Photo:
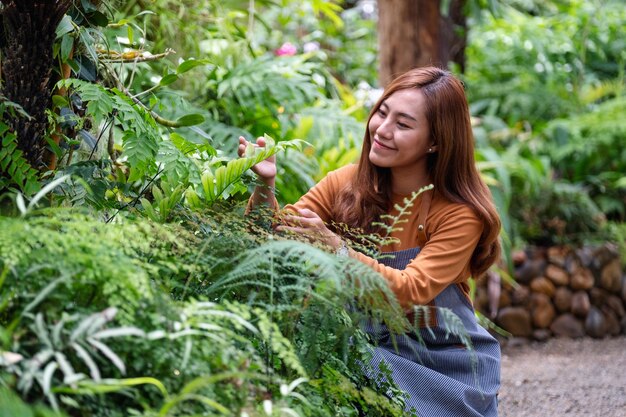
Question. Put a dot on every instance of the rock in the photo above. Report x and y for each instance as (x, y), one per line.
(595, 324)
(557, 275)
(603, 255)
(530, 269)
(557, 254)
(520, 295)
(563, 299)
(585, 255)
(515, 320)
(572, 263)
(611, 276)
(615, 304)
(598, 296)
(542, 310)
(542, 285)
(580, 304)
(613, 326)
(582, 279)
(566, 325)
(505, 299)
(541, 335)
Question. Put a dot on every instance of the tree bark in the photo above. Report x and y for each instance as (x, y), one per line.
(414, 33)
(28, 28)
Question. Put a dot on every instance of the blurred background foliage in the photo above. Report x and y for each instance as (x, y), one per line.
(129, 283)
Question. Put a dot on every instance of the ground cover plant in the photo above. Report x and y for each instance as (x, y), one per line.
(131, 283)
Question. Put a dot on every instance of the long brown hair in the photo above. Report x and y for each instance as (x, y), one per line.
(452, 168)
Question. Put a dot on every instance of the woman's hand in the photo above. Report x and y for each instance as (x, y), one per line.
(308, 223)
(266, 170)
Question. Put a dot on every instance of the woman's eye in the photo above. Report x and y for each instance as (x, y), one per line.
(403, 126)
(381, 113)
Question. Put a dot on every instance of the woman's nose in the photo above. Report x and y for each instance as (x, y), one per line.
(384, 130)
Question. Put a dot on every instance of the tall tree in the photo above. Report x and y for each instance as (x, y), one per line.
(415, 33)
(28, 33)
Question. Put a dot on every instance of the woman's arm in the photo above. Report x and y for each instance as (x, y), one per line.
(263, 193)
(443, 260)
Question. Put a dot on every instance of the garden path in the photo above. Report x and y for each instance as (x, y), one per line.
(564, 377)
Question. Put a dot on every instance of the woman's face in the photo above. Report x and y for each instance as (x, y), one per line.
(400, 133)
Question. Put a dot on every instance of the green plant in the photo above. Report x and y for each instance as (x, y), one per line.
(585, 149)
(277, 301)
(535, 67)
(14, 168)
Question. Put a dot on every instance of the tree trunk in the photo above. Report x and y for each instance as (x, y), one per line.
(28, 28)
(414, 33)
(454, 31)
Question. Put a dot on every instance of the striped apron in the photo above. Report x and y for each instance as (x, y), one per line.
(441, 376)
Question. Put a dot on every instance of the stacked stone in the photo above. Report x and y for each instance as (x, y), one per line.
(560, 291)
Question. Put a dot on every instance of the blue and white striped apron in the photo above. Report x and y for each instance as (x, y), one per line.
(441, 376)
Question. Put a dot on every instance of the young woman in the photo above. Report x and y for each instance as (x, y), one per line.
(418, 134)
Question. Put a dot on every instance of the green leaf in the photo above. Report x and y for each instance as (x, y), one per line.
(88, 43)
(99, 19)
(191, 63)
(190, 120)
(58, 101)
(65, 26)
(88, 6)
(168, 79)
(130, 34)
(67, 43)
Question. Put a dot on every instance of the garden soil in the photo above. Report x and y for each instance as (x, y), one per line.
(564, 377)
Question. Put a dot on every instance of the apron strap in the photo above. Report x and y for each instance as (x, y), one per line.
(421, 219)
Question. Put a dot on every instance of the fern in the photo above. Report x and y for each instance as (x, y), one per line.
(165, 200)
(267, 82)
(15, 168)
(327, 126)
(140, 136)
(216, 184)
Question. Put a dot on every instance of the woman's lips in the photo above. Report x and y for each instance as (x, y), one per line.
(379, 145)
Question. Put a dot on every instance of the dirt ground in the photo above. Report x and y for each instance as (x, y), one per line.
(564, 377)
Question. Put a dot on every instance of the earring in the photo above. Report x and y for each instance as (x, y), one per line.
(430, 150)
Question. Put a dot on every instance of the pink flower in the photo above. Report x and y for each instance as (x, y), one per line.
(286, 49)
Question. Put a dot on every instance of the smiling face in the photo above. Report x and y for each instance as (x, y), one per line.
(400, 134)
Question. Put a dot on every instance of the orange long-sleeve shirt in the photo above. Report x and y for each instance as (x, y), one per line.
(452, 231)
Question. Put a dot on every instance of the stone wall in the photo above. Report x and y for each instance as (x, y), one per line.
(559, 291)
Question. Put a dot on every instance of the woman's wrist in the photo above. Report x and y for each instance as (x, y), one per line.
(342, 249)
(268, 182)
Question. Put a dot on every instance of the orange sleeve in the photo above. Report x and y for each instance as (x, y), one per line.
(443, 260)
(321, 198)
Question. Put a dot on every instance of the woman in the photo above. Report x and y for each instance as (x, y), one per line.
(418, 134)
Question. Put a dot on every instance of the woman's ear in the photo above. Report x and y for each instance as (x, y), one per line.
(432, 148)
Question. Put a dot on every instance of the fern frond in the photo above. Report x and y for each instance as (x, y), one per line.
(141, 135)
(215, 184)
(266, 81)
(14, 168)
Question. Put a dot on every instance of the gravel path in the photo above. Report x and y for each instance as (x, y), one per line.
(564, 377)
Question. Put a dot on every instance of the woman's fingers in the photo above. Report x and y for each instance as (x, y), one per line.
(241, 149)
(293, 229)
(309, 214)
(308, 222)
